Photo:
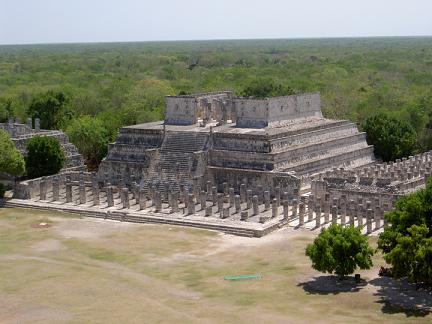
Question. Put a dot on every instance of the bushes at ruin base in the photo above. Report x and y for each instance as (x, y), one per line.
(44, 157)
(11, 160)
(340, 250)
(407, 241)
(392, 138)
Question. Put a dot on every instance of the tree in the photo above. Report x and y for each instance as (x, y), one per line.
(265, 88)
(91, 138)
(44, 156)
(340, 250)
(407, 241)
(11, 160)
(146, 101)
(49, 107)
(392, 138)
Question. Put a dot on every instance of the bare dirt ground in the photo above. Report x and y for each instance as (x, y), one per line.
(83, 270)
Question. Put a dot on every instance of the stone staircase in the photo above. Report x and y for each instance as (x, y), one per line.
(177, 162)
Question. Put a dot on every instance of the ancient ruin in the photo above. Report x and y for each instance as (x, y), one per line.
(241, 166)
(20, 133)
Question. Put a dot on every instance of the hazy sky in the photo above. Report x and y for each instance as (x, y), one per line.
(53, 21)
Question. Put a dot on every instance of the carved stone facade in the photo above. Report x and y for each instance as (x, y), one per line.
(215, 137)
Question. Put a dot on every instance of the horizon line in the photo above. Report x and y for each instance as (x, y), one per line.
(212, 40)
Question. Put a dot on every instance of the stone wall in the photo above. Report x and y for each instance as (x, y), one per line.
(260, 113)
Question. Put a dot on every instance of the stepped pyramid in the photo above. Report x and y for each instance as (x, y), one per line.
(215, 137)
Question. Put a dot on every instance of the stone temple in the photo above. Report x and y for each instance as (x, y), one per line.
(216, 137)
(237, 165)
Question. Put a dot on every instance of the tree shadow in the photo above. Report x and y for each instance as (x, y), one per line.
(326, 285)
(400, 296)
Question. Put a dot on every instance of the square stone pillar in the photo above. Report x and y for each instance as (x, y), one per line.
(82, 192)
(255, 205)
(109, 195)
(43, 189)
(95, 191)
(142, 199)
(243, 193)
(125, 198)
(310, 207)
(231, 197)
(301, 213)
(203, 200)
(275, 208)
(55, 188)
(68, 188)
(334, 214)
(237, 203)
(294, 209)
(244, 215)
(266, 200)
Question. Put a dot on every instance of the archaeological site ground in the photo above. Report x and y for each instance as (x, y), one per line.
(74, 270)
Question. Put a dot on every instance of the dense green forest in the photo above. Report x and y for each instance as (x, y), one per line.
(125, 83)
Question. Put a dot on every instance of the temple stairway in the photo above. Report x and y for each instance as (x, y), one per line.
(178, 161)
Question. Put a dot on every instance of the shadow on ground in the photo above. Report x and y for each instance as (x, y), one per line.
(399, 296)
(326, 285)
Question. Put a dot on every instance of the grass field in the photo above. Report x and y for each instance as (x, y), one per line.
(94, 271)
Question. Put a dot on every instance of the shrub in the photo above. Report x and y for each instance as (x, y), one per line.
(340, 250)
(44, 157)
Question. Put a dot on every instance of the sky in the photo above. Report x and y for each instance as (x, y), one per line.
(69, 21)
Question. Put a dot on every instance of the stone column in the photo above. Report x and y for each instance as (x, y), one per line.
(55, 188)
(266, 200)
(369, 213)
(220, 203)
(191, 204)
(294, 209)
(275, 207)
(157, 201)
(226, 213)
(82, 192)
(110, 196)
(318, 215)
(260, 194)
(249, 199)
(125, 198)
(237, 204)
(244, 215)
(43, 188)
(310, 207)
(95, 192)
(385, 208)
(285, 210)
(377, 217)
(255, 205)
(174, 203)
(334, 214)
(301, 213)
(142, 199)
(359, 212)
(243, 193)
(214, 196)
(326, 208)
(209, 187)
(231, 197)
(352, 213)
(208, 211)
(37, 124)
(343, 210)
(277, 194)
(225, 187)
(203, 200)
(68, 192)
